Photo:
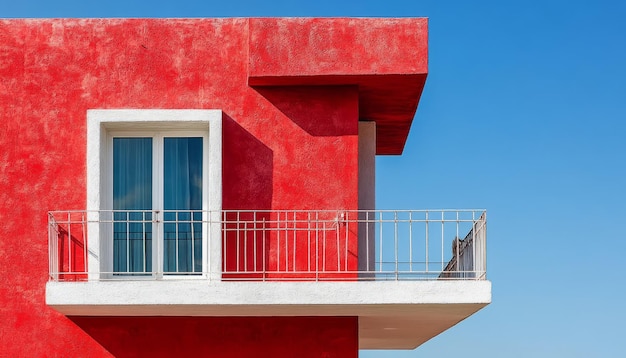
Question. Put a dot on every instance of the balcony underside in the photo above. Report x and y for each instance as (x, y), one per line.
(392, 314)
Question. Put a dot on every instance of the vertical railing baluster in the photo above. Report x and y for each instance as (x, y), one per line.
(324, 247)
(238, 237)
(484, 245)
(225, 231)
(158, 234)
(474, 228)
(254, 245)
(317, 249)
(457, 251)
(278, 241)
(367, 241)
(84, 231)
(264, 253)
(411, 242)
(245, 245)
(442, 238)
(395, 240)
(143, 240)
(52, 248)
(380, 226)
(69, 242)
(308, 246)
(427, 238)
(295, 231)
(338, 244)
(50, 273)
(176, 234)
(193, 239)
(127, 241)
(346, 227)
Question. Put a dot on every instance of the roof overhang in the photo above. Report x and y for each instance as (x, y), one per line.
(386, 58)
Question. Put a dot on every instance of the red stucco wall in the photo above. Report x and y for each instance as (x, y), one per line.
(283, 148)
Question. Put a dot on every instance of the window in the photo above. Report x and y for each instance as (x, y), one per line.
(157, 189)
(154, 181)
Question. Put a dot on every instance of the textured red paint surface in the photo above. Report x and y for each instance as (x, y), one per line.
(337, 46)
(284, 148)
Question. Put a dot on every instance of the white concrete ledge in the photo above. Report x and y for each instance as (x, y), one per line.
(392, 314)
(233, 293)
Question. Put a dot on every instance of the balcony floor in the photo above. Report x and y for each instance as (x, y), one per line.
(392, 314)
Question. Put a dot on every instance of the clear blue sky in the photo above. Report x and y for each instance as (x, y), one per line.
(524, 113)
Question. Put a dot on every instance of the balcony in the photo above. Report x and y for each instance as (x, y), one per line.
(407, 275)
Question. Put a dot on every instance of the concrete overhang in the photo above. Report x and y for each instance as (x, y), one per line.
(392, 314)
(386, 58)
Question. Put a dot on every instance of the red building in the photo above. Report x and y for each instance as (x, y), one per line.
(206, 186)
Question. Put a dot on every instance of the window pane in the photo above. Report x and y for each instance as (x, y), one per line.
(132, 202)
(182, 204)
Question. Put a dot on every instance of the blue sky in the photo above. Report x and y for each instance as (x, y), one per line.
(523, 113)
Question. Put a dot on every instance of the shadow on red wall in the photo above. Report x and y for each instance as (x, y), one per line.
(247, 171)
(224, 336)
(69, 237)
(319, 110)
(305, 249)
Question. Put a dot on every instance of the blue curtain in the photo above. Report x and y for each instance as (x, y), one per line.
(132, 193)
(182, 201)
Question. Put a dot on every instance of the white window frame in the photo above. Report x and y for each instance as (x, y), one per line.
(102, 124)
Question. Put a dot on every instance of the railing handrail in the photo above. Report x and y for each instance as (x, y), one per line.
(272, 210)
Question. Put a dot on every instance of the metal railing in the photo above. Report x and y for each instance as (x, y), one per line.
(272, 245)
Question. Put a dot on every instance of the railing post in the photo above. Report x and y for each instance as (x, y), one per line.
(442, 237)
(457, 249)
(474, 258)
(53, 239)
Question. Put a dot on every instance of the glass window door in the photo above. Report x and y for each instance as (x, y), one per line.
(157, 203)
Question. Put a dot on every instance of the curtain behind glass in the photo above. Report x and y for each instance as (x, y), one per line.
(132, 200)
(182, 201)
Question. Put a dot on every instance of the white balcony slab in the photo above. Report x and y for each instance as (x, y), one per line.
(392, 314)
